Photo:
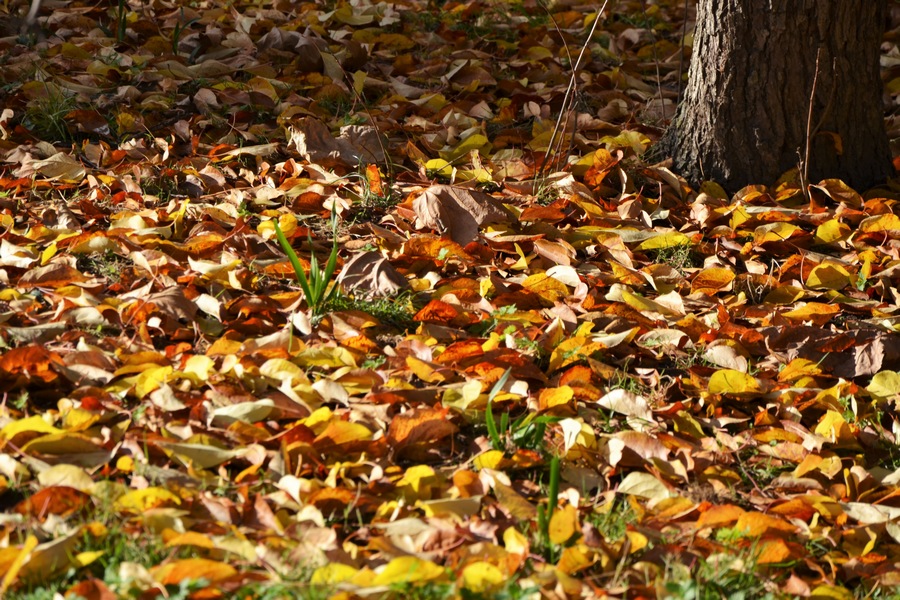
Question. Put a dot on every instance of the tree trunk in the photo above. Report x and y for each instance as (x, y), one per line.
(745, 116)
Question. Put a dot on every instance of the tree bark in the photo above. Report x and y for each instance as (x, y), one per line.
(744, 118)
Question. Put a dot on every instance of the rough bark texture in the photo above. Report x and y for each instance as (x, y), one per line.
(743, 119)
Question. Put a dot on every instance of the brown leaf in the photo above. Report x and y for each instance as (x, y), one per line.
(370, 274)
(456, 211)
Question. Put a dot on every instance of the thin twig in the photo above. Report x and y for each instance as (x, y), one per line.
(570, 89)
(804, 166)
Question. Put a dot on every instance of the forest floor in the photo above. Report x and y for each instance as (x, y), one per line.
(377, 300)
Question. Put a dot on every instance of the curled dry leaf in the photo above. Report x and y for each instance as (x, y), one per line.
(457, 211)
(370, 274)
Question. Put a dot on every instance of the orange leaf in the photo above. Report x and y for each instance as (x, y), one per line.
(373, 178)
(718, 516)
(189, 569)
(437, 312)
(423, 426)
(773, 551)
(55, 500)
(31, 363)
(91, 589)
(755, 524)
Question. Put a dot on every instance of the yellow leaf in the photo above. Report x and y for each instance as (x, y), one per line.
(728, 381)
(627, 139)
(482, 577)
(332, 573)
(340, 432)
(573, 350)
(80, 420)
(83, 559)
(880, 223)
(784, 294)
(450, 507)
(548, 288)
(645, 304)
(831, 592)
(488, 460)
(48, 253)
(833, 427)
(407, 569)
(828, 276)
(280, 369)
(564, 524)
(67, 475)
(515, 542)
(885, 384)
(517, 505)
(35, 424)
(46, 560)
(61, 444)
(550, 397)
(739, 216)
(198, 368)
(18, 558)
(150, 379)
(425, 371)
(198, 456)
(138, 501)
(439, 167)
(797, 368)
(326, 356)
(638, 541)
(644, 485)
(774, 232)
(245, 412)
(686, 424)
(574, 559)
(359, 81)
(417, 483)
(815, 312)
(191, 538)
(668, 239)
(832, 231)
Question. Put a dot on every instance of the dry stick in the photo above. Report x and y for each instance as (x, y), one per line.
(554, 146)
(804, 163)
(571, 87)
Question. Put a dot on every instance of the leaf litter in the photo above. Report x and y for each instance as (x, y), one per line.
(718, 374)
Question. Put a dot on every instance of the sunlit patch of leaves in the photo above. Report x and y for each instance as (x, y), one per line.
(547, 365)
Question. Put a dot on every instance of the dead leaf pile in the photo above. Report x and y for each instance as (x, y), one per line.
(717, 374)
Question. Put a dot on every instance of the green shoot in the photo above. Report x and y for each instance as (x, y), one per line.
(314, 285)
(493, 432)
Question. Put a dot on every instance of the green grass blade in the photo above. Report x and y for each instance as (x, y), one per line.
(295, 261)
(553, 492)
(491, 424)
(499, 385)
